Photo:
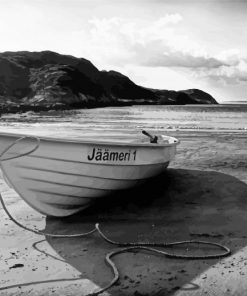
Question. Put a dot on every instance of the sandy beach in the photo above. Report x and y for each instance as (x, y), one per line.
(203, 195)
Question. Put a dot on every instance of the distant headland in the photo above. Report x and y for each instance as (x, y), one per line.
(47, 80)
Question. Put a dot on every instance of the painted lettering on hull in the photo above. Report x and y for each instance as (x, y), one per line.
(99, 154)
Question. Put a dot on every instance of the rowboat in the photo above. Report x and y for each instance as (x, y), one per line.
(61, 176)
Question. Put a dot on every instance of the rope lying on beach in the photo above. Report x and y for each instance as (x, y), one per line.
(128, 246)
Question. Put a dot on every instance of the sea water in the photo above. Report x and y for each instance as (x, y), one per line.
(102, 122)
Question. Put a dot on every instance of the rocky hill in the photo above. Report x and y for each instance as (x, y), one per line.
(48, 80)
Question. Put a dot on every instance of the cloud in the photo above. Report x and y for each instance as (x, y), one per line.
(146, 43)
(227, 74)
(160, 43)
(233, 69)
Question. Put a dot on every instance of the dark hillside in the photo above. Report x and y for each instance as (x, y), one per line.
(45, 80)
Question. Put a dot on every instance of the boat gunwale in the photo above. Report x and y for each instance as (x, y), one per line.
(87, 142)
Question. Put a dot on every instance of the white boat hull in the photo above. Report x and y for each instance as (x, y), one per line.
(63, 177)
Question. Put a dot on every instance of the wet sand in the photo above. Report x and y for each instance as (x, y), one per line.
(203, 195)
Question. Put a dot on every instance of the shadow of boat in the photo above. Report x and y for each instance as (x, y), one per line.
(177, 205)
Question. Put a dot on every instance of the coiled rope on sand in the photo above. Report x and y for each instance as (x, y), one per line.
(128, 246)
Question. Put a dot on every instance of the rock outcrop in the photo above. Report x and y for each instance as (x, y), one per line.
(48, 80)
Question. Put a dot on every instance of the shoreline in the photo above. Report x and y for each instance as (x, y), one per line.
(22, 108)
(16, 109)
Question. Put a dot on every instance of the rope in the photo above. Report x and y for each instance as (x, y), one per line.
(128, 246)
(40, 232)
(22, 154)
(168, 245)
(149, 247)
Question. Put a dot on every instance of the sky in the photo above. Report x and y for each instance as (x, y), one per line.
(165, 44)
